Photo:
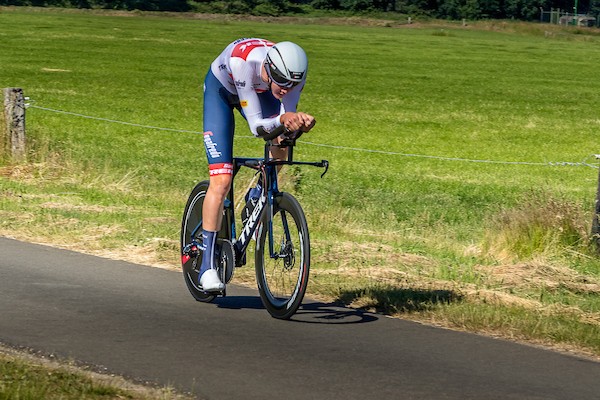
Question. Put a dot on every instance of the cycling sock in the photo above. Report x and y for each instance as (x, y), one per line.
(208, 251)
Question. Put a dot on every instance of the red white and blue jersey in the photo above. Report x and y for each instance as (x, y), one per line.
(238, 68)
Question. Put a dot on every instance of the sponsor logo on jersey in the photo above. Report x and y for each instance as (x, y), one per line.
(244, 103)
(211, 147)
(244, 47)
(240, 84)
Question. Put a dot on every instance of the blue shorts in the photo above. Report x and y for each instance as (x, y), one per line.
(219, 123)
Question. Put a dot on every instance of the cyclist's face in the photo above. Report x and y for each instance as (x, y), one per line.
(278, 91)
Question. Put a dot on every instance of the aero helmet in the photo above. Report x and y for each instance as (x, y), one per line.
(286, 64)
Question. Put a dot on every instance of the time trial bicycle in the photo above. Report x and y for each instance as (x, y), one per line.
(277, 222)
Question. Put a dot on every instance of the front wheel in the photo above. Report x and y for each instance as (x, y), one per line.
(282, 257)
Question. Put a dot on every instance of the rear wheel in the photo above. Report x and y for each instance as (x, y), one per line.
(191, 238)
(283, 257)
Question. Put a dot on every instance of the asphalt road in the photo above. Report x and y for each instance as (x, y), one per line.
(141, 323)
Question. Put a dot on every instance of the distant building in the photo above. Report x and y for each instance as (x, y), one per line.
(579, 20)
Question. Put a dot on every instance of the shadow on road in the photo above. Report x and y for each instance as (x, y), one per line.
(385, 300)
(312, 313)
(322, 313)
(239, 302)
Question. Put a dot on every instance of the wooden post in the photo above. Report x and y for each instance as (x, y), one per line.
(14, 117)
(596, 221)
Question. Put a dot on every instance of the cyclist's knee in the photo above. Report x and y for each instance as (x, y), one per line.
(220, 184)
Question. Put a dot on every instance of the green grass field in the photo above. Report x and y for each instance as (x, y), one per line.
(462, 181)
(25, 377)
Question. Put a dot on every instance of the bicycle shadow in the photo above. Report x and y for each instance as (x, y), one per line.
(375, 301)
(332, 314)
(309, 312)
(239, 302)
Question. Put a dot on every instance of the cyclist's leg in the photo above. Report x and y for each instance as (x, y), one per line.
(218, 143)
(278, 153)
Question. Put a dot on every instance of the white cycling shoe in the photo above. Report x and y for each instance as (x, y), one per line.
(210, 281)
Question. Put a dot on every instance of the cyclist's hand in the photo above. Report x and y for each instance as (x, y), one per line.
(297, 121)
(291, 121)
(308, 122)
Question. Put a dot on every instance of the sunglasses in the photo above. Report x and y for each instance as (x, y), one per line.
(277, 77)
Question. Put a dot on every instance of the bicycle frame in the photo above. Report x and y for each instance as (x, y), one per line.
(268, 168)
(283, 264)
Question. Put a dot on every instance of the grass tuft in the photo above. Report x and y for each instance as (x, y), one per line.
(26, 377)
(541, 225)
(19, 380)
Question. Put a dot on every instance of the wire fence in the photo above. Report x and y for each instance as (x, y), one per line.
(563, 17)
(583, 163)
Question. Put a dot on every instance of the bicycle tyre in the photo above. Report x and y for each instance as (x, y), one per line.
(282, 280)
(192, 217)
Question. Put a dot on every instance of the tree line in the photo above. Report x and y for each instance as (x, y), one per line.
(526, 10)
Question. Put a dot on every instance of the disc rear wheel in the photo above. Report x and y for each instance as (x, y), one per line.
(191, 235)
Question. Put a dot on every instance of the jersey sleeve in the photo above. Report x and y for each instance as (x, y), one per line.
(243, 75)
(253, 113)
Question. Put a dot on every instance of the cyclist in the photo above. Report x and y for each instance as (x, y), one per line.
(263, 81)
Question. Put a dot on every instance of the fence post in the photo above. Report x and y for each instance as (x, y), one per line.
(14, 118)
(596, 221)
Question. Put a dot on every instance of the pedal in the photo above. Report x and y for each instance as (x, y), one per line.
(190, 251)
(216, 293)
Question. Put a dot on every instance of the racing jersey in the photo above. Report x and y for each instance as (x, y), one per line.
(239, 68)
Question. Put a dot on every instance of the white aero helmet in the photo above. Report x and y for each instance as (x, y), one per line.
(286, 64)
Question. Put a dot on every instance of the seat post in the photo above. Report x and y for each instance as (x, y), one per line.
(290, 152)
(268, 145)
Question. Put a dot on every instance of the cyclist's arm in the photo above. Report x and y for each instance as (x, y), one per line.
(295, 120)
(290, 117)
(243, 75)
(253, 112)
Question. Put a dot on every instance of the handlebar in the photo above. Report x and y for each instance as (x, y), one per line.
(280, 130)
(289, 140)
(262, 133)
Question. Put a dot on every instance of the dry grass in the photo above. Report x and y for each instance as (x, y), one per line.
(538, 274)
